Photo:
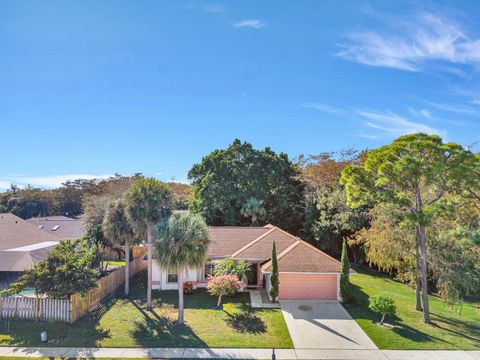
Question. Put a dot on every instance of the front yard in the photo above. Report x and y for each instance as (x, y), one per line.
(453, 328)
(126, 323)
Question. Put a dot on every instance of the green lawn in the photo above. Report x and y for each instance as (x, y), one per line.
(126, 323)
(453, 328)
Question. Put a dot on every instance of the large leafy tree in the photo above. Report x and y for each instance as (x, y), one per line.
(182, 243)
(69, 268)
(226, 179)
(415, 172)
(118, 229)
(148, 201)
(328, 219)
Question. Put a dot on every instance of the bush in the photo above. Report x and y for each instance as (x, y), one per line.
(383, 304)
(230, 266)
(345, 287)
(188, 288)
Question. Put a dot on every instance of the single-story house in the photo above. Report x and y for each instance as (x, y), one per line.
(305, 272)
(22, 245)
(62, 227)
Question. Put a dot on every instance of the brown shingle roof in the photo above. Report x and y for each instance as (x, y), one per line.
(226, 240)
(255, 244)
(262, 248)
(22, 244)
(16, 232)
(303, 257)
(68, 228)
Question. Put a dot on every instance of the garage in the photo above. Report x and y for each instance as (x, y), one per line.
(295, 286)
(305, 273)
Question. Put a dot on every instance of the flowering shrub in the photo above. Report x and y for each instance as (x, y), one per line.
(223, 285)
(188, 287)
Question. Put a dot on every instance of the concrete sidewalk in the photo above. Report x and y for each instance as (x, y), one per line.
(168, 353)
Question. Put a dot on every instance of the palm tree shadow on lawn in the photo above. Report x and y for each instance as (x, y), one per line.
(359, 310)
(161, 331)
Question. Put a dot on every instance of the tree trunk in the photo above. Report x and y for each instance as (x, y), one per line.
(149, 264)
(219, 301)
(127, 268)
(418, 281)
(180, 297)
(383, 318)
(423, 253)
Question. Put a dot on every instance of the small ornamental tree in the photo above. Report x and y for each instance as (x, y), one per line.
(345, 288)
(68, 268)
(274, 283)
(383, 304)
(223, 285)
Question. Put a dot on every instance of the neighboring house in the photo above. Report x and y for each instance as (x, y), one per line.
(304, 271)
(22, 245)
(62, 227)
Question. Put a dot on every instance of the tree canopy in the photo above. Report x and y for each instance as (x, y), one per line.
(226, 181)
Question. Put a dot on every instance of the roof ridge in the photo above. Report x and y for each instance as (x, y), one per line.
(283, 253)
(239, 251)
(318, 250)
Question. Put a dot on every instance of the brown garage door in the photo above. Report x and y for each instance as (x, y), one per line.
(308, 286)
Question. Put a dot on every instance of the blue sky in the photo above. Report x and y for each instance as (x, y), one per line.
(93, 88)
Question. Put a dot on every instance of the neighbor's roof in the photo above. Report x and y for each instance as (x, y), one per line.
(16, 232)
(22, 244)
(63, 227)
(255, 244)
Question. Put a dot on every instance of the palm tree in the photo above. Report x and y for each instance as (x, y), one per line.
(182, 243)
(117, 228)
(253, 209)
(148, 202)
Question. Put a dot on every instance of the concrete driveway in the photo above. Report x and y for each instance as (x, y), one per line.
(320, 324)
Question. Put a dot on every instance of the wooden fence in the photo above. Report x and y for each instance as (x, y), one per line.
(136, 251)
(45, 309)
(42, 309)
(80, 305)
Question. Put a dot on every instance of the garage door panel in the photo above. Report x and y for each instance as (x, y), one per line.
(308, 286)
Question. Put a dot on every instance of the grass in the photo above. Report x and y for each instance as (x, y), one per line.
(121, 322)
(453, 327)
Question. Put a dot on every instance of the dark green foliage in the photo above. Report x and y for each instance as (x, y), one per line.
(335, 220)
(69, 268)
(229, 266)
(345, 287)
(274, 282)
(227, 180)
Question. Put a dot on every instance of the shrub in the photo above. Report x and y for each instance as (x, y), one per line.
(223, 285)
(188, 287)
(383, 304)
(274, 283)
(345, 287)
(230, 266)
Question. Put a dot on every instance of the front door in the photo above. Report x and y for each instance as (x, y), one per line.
(253, 275)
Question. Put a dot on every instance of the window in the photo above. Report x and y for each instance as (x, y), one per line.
(209, 268)
(172, 278)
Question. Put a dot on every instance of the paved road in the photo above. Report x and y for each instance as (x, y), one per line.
(315, 324)
(162, 353)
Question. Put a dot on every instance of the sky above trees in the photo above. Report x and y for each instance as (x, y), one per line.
(94, 88)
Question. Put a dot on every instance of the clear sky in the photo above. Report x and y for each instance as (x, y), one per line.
(93, 88)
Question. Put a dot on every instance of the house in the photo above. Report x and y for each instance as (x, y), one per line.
(22, 245)
(63, 227)
(305, 272)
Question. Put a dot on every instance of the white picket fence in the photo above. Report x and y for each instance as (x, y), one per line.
(22, 308)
